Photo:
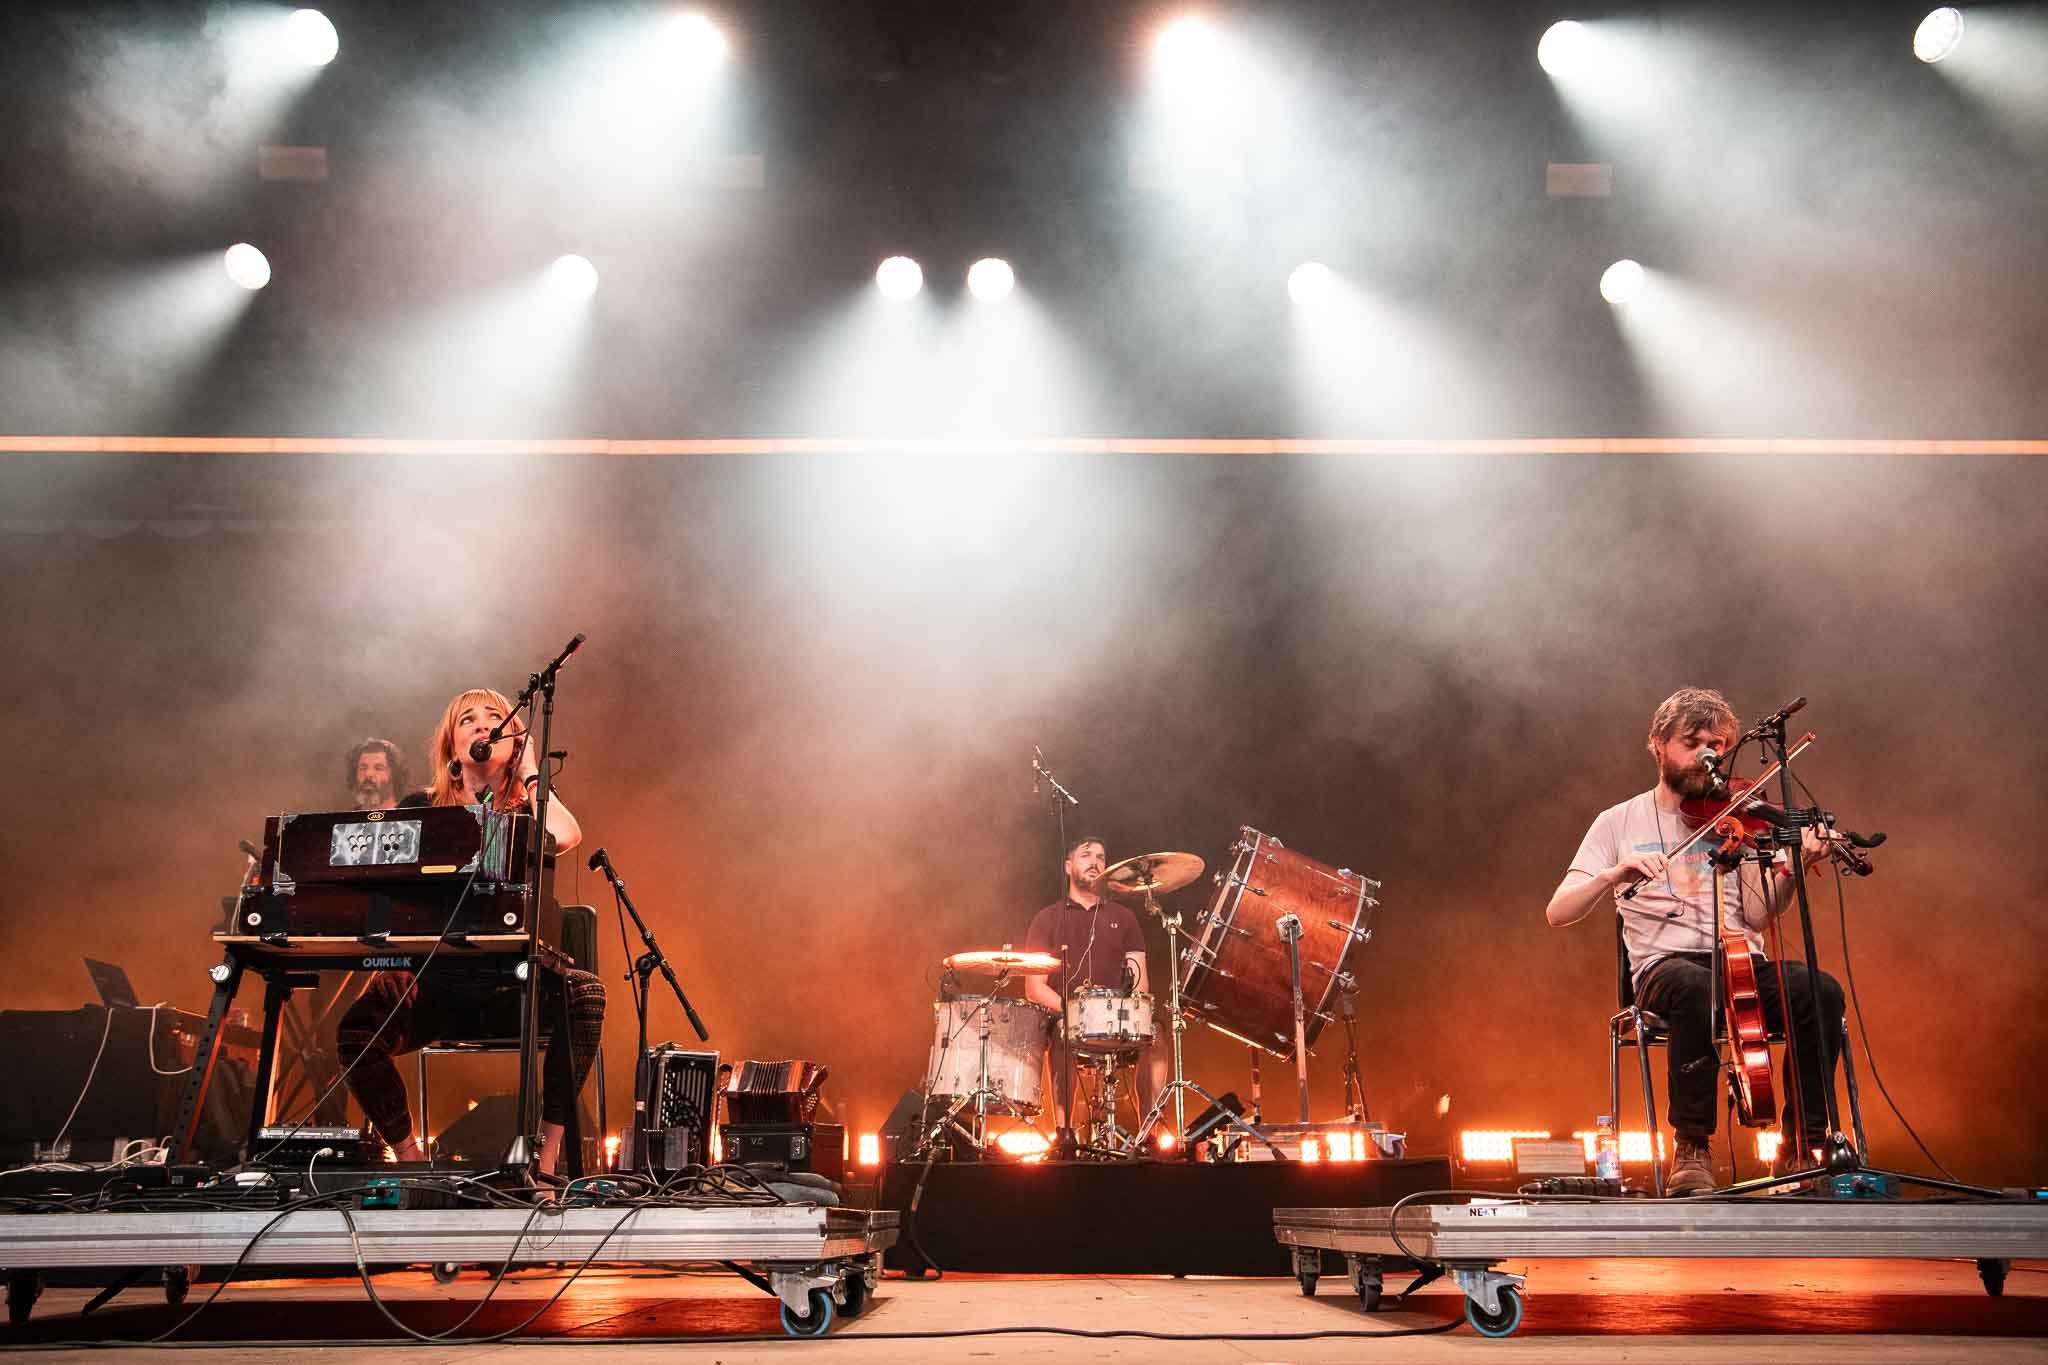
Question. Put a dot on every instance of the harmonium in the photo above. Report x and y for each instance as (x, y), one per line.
(412, 877)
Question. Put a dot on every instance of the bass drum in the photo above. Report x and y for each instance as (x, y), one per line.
(1017, 1035)
(1235, 971)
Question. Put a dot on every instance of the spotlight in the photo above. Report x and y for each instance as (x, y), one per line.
(1563, 49)
(991, 279)
(1621, 282)
(247, 266)
(693, 41)
(1187, 49)
(312, 37)
(1312, 284)
(1938, 34)
(899, 277)
(572, 277)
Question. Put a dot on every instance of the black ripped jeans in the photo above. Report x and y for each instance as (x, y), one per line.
(1679, 989)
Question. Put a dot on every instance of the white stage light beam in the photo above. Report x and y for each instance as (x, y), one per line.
(899, 277)
(312, 37)
(573, 277)
(1621, 282)
(1939, 34)
(247, 266)
(991, 279)
(1564, 49)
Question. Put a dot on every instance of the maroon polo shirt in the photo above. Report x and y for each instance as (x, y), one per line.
(1089, 943)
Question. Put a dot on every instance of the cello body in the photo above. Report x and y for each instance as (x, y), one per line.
(1742, 1006)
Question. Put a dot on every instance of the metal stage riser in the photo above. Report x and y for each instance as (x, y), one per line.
(801, 1233)
(1139, 1218)
(1760, 1227)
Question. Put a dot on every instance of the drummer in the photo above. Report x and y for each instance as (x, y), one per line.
(1099, 943)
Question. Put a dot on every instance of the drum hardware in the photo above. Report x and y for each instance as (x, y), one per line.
(1289, 929)
(1354, 1080)
(1176, 1017)
(1356, 935)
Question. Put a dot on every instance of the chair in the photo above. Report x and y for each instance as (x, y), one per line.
(1634, 1026)
(579, 942)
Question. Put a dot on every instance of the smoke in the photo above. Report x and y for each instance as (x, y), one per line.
(803, 723)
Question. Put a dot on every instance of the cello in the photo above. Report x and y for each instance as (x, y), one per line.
(1742, 1005)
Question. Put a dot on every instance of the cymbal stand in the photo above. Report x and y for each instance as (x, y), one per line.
(1180, 1082)
(978, 1097)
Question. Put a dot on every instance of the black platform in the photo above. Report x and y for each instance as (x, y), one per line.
(1142, 1218)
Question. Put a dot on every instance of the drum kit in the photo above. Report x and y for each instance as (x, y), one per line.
(1263, 964)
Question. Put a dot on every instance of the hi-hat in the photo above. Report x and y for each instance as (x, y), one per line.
(1152, 873)
(997, 961)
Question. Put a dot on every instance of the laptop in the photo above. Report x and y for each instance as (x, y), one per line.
(114, 987)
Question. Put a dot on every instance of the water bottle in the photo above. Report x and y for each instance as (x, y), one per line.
(1607, 1151)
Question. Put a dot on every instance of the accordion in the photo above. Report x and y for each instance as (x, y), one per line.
(774, 1092)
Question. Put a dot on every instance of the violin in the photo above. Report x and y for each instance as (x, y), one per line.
(1751, 818)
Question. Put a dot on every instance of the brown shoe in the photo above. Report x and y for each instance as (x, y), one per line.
(1692, 1167)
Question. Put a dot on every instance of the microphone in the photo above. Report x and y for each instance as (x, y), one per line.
(598, 859)
(480, 751)
(1711, 760)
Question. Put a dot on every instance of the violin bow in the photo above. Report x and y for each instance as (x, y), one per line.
(1628, 893)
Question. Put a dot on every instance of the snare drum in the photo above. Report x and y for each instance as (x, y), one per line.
(1017, 1034)
(1103, 1020)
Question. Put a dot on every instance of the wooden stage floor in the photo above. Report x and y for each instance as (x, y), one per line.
(1679, 1310)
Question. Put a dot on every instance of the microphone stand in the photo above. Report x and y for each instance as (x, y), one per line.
(1065, 1146)
(525, 1145)
(643, 972)
(1839, 1157)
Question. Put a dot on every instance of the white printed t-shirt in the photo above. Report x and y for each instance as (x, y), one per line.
(1673, 913)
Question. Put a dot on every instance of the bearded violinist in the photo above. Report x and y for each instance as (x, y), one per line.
(1668, 929)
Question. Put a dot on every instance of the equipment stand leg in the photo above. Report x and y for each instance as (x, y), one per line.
(205, 1054)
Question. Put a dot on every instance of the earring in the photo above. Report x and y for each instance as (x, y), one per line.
(455, 769)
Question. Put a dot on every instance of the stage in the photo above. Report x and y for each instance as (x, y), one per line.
(1869, 1312)
(1128, 1218)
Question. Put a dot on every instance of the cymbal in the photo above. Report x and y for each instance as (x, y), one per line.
(996, 961)
(1157, 873)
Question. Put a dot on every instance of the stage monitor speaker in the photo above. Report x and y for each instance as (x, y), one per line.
(900, 1130)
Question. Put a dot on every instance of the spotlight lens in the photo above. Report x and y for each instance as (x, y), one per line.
(1562, 51)
(899, 277)
(1312, 283)
(1938, 34)
(312, 37)
(991, 279)
(247, 266)
(573, 277)
(694, 41)
(1621, 282)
